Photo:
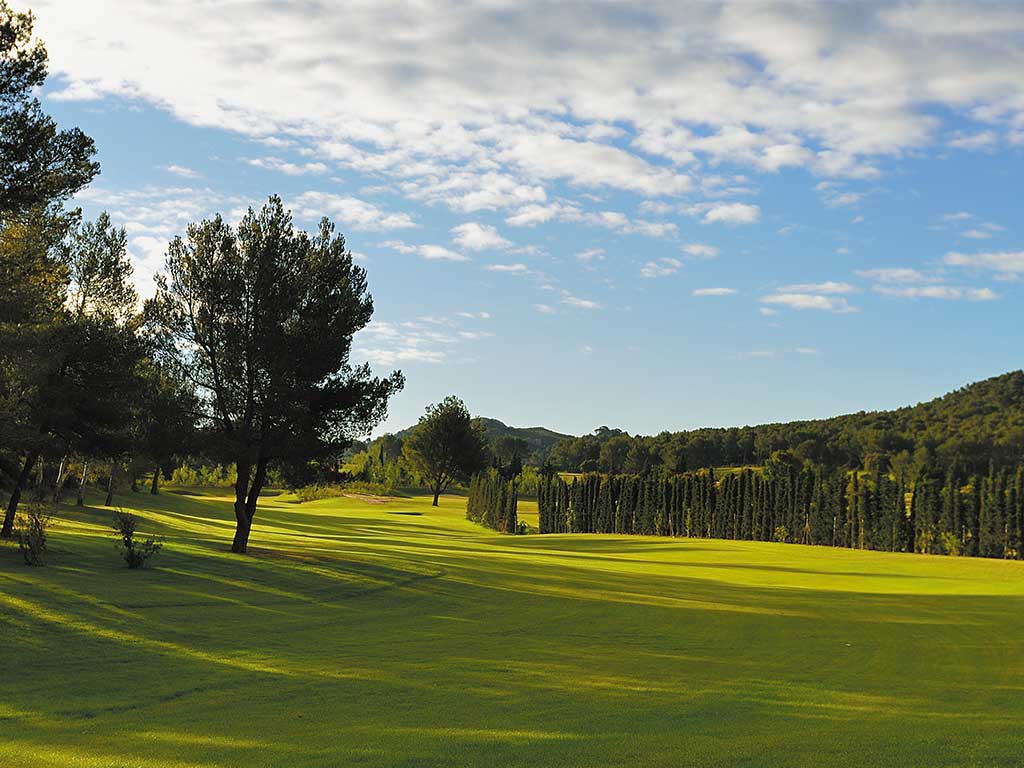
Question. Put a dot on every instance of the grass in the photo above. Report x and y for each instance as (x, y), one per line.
(395, 634)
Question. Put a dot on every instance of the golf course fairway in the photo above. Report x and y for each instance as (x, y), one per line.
(370, 632)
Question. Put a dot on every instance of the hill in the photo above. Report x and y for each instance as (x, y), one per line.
(971, 427)
(395, 634)
(540, 439)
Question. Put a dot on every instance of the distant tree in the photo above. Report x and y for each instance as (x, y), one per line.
(446, 446)
(261, 320)
(81, 402)
(509, 453)
(613, 454)
(165, 426)
(40, 165)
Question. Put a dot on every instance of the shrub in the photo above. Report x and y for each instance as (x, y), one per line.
(950, 543)
(134, 553)
(781, 534)
(32, 527)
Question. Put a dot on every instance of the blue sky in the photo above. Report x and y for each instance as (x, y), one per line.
(589, 214)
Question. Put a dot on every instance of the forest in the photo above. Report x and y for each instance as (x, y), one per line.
(976, 426)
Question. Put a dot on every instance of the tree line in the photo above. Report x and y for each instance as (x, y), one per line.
(956, 513)
(973, 427)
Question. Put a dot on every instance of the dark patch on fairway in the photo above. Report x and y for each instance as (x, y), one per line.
(410, 514)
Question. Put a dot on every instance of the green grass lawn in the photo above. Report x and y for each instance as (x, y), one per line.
(394, 634)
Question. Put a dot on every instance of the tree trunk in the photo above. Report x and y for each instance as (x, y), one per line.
(57, 490)
(12, 506)
(110, 487)
(242, 522)
(437, 492)
(81, 486)
(154, 487)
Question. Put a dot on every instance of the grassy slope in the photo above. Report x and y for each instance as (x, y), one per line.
(394, 634)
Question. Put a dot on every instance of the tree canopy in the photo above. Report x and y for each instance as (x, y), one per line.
(446, 446)
(40, 164)
(260, 320)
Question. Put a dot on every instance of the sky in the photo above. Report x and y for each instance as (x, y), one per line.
(585, 214)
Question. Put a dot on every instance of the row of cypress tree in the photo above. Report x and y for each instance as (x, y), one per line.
(957, 514)
(493, 502)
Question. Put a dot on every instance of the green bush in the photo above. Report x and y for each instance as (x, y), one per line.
(134, 553)
(31, 533)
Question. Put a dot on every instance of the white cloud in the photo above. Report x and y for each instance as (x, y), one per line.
(183, 171)
(574, 301)
(834, 194)
(973, 141)
(810, 301)
(661, 268)
(828, 287)
(714, 292)
(423, 340)
(733, 213)
(948, 292)
(476, 108)
(429, 252)
(1007, 263)
(479, 237)
(591, 254)
(545, 309)
(589, 164)
(700, 250)
(440, 253)
(348, 212)
(806, 351)
(285, 167)
(624, 102)
(515, 269)
(534, 214)
(894, 275)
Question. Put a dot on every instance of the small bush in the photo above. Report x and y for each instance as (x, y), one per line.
(31, 532)
(134, 553)
(781, 535)
(950, 543)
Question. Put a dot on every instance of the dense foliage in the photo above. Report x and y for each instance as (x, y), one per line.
(493, 502)
(40, 165)
(446, 446)
(956, 514)
(972, 427)
(259, 318)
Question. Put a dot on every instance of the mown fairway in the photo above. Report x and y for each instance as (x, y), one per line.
(399, 635)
